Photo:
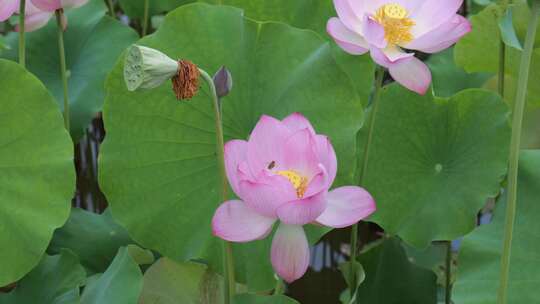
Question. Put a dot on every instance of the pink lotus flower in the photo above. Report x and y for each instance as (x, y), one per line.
(283, 173)
(38, 12)
(386, 27)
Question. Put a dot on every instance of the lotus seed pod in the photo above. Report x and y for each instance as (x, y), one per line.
(146, 68)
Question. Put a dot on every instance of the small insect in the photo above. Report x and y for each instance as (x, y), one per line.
(272, 165)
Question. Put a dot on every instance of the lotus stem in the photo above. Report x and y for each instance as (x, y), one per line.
(145, 17)
(517, 122)
(379, 77)
(22, 42)
(60, 25)
(228, 260)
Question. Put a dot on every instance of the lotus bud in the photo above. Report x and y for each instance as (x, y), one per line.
(223, 82)
(146, 68)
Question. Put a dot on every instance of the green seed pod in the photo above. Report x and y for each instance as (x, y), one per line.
(147, 68)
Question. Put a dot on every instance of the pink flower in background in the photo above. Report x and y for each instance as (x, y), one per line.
(53, 5)
(283, 173)
(386, 27)
(38, 12)
(8, 8)
(35, 18)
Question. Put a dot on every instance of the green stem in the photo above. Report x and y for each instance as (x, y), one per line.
(59, 16)
(502, 60)
(228, 261)
(145, 18)
(448, 289)
(379, 77)
(22, 39)
(517, 121)
(280, 287)
(110, 4)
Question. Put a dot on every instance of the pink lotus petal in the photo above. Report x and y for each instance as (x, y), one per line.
(442, 37)
(432, 14)
(346, 206)
(36, 21)
(300, 154)
(73, 3)
(348, 40)
(266, 143)
(296, 122)
(319, 183)
(235, 153)
(290, 252)
(327, 157)
(234, 221)
(412, 74)
(374, 33)
(389, 56)
(347, 15)
(29, 9)
(8, 8)
(48, 5)
(267, 193)
(302, 211)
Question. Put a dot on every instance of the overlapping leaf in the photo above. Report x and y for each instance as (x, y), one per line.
(313, 15)
(168, 282)
(480, 255)
(392, 279)
(120, 284)
(38, 178)
(135, 8)
(94, 238)
(448, 78)
(479, 51)
(434, 162)
(56, 280)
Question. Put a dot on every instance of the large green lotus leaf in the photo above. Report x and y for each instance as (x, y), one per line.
(93, 42)
(158, 164)
(259, 299)
(169, 282)
(392, 279)
(313, 15)
(56, 280)
(479, 50)
(434, 161)
(480, 254)
(449, 79)
(93, 237)
(135, 8)
(120, 284)
(38, 176)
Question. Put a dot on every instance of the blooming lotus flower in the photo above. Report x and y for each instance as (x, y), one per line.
(283, 173)
(386, 27)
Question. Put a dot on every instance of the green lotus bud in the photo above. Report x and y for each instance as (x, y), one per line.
(147, 68)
